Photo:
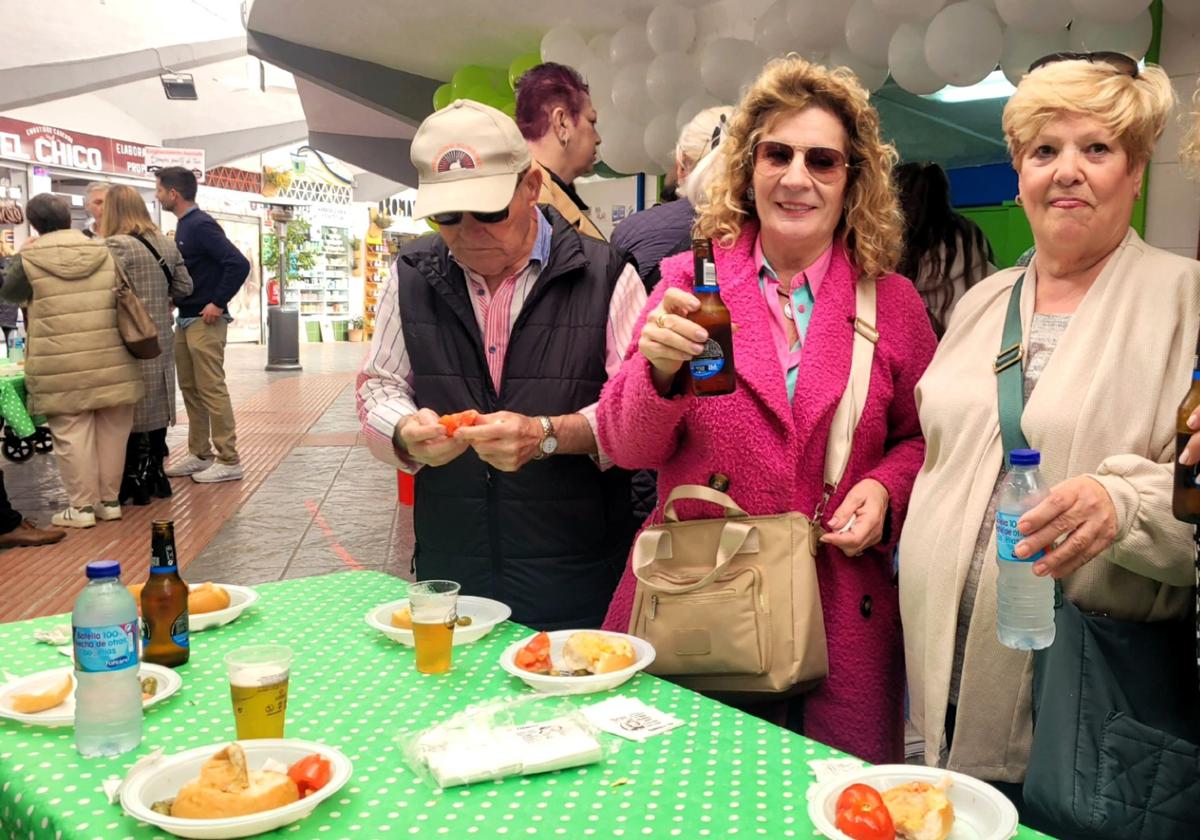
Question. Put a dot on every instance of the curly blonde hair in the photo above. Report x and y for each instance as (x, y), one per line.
(1135, 110)
(1189, 152)
(871, 226)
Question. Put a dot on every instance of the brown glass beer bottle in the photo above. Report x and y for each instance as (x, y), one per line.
(1185, 502)
(712, 371)
(164, 602)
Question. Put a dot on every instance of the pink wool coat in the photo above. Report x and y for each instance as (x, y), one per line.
(774, 453)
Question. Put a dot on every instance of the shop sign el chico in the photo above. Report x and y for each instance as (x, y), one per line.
(49, 146)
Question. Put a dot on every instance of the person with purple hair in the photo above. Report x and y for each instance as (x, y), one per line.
(557, 120)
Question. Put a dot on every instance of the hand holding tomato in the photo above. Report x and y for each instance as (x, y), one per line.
(426, 440)
(861, 814)
(453, 422)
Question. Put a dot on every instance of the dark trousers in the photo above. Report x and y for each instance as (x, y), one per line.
(9, 518)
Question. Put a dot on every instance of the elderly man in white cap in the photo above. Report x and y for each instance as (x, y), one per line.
(509, 312)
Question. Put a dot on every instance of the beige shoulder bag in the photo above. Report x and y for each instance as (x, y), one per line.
(732, 605)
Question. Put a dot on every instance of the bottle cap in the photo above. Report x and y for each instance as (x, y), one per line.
(1025, 457)
(99, 569)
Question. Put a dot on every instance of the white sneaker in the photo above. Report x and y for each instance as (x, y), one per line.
(83, 517)
(107, 511)
(219, 472)
(189, 465)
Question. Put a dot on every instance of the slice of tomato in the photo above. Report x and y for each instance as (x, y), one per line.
(453, 422)
(861, 814)
(535, 656)
(311, 773)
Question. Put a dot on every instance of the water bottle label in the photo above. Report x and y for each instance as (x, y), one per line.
(1007, 537)
(112, 648)
(709, 362)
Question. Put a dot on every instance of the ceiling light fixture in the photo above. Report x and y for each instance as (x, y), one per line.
(179, 85)
(994, 86)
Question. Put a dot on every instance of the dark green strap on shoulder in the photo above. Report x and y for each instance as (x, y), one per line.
(1010, 388)
(1010, 380)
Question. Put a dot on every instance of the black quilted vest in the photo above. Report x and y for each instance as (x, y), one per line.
(549, 540)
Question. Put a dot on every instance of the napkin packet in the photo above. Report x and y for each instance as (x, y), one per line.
(509, 736)
(630, 718)
(832, 768)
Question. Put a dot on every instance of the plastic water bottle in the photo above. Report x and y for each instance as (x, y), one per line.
(1025, 608)
(108, 695)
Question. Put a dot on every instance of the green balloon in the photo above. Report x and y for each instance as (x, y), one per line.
(519, 65)
(510, 108)
(443, 96)
(470, 77)
(498, 79)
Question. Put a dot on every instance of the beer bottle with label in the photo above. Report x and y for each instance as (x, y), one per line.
(164, 602)
(712, 371)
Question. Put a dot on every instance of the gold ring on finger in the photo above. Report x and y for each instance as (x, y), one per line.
(661, 321)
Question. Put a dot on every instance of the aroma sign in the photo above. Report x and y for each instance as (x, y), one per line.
(49, 146)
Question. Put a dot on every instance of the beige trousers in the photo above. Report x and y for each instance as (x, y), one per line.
(90, 447)
(200, 362)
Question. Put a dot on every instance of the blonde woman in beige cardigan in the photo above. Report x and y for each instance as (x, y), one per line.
(1109, 325)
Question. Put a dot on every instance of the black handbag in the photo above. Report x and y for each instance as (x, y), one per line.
(1116, 715)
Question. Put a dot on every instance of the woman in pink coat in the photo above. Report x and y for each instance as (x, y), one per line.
(800, 211)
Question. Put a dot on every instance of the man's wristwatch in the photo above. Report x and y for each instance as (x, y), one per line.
(549, 442)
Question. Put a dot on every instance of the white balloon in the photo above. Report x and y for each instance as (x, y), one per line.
(987, 4)
(1023, 48)
(1036, 15)
(1131, 38)
(623, 149)
(906, 59)
(692, 106)
(672, 78)
(771, 32)
(727, 65)
(598, 74)
(1109, 11)
(816, 24)
(563, 44)
(629, 44)
(659, 138)
(1183, 11)
(963, 43)
(629, 92)
(871, 76)
(869, 32)
(600, 45)
(910, 10)
(671, 28)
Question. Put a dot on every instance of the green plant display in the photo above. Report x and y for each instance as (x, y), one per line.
(299, 250)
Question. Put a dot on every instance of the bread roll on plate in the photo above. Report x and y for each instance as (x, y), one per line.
(32, 703)
(227, 788)
(206, 598)
(920, 811)
(597, 653)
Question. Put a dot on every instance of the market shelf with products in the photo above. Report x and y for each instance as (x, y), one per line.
(320, 281)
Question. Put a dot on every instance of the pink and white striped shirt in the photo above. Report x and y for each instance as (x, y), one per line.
(385, 384)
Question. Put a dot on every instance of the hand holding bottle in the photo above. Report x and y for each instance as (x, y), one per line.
(668, 338)
(1078, 511)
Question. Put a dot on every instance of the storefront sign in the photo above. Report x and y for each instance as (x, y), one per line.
(159, 158)
(49, 146)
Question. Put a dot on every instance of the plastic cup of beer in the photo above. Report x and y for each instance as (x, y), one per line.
(258, 686)
(434, 605)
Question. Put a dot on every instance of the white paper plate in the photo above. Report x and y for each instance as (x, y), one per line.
(240, 597)
(163, 779)
(63, 714)
(485, 614)
(980, 811)
(575, 685)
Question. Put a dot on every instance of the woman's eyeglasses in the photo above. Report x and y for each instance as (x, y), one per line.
(483, 218)
(772, 158)
(1116, 60)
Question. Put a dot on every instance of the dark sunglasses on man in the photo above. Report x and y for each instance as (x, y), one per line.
(456, 217)
(1116, 60)
(772, 157)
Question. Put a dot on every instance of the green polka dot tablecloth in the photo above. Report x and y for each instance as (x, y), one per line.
(12, 401)
(723, 774)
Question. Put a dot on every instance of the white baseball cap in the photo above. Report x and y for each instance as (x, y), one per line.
(468, 156)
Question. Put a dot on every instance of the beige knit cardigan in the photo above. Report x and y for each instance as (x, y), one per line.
(1104, 407)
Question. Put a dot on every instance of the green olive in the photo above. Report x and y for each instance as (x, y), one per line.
(464, 621)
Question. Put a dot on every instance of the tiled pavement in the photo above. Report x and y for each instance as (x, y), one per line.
(313, 501)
